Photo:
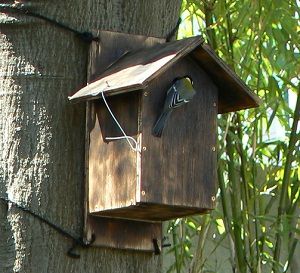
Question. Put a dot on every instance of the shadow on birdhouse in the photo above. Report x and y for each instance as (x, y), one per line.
(132, 81)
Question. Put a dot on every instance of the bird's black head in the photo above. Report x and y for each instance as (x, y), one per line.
(186, 76)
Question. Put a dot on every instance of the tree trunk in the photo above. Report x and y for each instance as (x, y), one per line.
(42, 134)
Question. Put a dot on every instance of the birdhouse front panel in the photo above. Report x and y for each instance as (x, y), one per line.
(178, 168)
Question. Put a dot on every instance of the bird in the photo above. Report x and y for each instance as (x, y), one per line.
(180, 93)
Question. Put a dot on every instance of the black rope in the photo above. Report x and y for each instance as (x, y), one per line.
(76, 241)
(173, 31)
(85, 36)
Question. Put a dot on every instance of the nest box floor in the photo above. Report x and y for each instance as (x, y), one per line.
(150, 212)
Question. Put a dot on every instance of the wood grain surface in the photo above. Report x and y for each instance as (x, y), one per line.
(112, 163)
(125, 234)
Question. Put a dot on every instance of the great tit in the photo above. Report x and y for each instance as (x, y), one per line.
(181, 92)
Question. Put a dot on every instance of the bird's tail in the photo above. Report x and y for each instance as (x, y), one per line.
(160, 124)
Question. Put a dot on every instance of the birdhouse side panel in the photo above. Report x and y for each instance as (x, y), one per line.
(112, 163)
(179, 168)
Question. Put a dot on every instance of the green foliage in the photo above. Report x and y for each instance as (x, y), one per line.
(259, 172)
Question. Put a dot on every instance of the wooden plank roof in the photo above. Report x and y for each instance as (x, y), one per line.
(134, 70)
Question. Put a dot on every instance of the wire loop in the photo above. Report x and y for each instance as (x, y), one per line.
(135, 148)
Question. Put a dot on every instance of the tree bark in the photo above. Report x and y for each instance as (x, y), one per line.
(42, 134)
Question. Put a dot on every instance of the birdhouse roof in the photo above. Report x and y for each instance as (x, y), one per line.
(134, 70)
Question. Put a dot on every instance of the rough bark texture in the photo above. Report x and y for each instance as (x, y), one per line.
(42, 134)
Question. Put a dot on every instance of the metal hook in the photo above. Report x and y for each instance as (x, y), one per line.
(157, 248)
(71, 252)
(165, 238)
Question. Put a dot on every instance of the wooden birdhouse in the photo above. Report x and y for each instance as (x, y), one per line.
(165, 177)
